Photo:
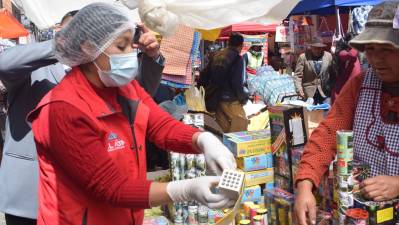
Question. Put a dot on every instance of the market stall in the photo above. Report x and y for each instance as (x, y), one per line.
(10, 28)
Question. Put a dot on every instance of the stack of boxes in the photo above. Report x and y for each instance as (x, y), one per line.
(253, 152)
(288, 132)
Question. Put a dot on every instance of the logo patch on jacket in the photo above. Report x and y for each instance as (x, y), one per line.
(115, 143)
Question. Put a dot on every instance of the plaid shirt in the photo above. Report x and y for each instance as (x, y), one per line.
(376, 142)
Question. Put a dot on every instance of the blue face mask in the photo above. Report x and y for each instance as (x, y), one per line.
(124, 68)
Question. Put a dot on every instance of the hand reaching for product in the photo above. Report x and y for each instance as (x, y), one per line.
(217, 156)
(305, 204)
(199, 189)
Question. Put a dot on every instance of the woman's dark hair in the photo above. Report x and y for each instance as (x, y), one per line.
(69, 14)
(236, 40)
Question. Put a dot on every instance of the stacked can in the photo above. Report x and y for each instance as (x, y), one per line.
(343, 193)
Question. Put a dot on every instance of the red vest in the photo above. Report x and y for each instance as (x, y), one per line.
(61, 202)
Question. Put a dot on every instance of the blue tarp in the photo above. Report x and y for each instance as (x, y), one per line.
(328, 6)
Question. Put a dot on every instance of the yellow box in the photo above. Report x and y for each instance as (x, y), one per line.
(248, 148)
(259, 177)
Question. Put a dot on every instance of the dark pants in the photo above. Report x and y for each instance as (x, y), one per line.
(15, 220)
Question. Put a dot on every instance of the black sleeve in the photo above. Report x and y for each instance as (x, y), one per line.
(237, 82)
(205, 75)
(150, 74)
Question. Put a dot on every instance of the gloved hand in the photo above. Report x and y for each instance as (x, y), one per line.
(217, 156)
(199, 189)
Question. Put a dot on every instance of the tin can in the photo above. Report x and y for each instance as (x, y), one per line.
(258, 220)
(200, 162)
(247, 208)
(356, 217)
(342, 166)
(211, 216)
(341, 218)
(179, 220)
(203, 215)
(253, 212)
(190, 161)
(192, 215)
(346, 199)
(264, 214)
(345, 142)
(245, 222)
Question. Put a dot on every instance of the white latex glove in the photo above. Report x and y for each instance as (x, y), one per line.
(199, 189)
(217, 156)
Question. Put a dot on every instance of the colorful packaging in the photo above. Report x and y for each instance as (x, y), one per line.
(252, 194)
(241, 148)
(256, 162)
(259, 177)
(280, 206)
(380, 213)
(248, 135)
(288, 131)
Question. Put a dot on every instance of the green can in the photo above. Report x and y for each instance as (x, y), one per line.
(345, 144)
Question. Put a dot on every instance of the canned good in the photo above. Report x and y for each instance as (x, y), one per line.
(356, 217)
(258, 220)
(190, 161)
(179, 221)
(343, 167)
(247, 208)
(192, 215)
(203, 215)
(345, 142)
(245, 222)
(264, 214)
(253, 212)
(200, 162)
(211, 216)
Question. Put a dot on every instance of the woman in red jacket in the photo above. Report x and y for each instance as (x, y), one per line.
(90, 132)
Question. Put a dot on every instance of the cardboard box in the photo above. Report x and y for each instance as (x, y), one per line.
(259, 177)
(256, 162)
(248, 135)
(242, 148)
(288, 132)
(252, 194)
(280, 206)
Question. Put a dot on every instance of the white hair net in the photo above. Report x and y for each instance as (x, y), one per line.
(91, 31)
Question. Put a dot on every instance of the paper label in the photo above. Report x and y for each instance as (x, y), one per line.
(384, 215)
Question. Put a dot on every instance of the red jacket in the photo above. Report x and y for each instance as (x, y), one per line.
(92, 162)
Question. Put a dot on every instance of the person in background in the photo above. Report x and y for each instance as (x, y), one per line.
(314, 72)
(369, 105)
(223, 79)
(90, 132)
(28, 73)
(254, 58)
(347, 65)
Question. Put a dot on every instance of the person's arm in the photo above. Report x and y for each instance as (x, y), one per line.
(74, 144)
(19, 62)
(298, 75)
(205, 74)
(237, 81)
(321, 147)
(166, 132)
(151, 73)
